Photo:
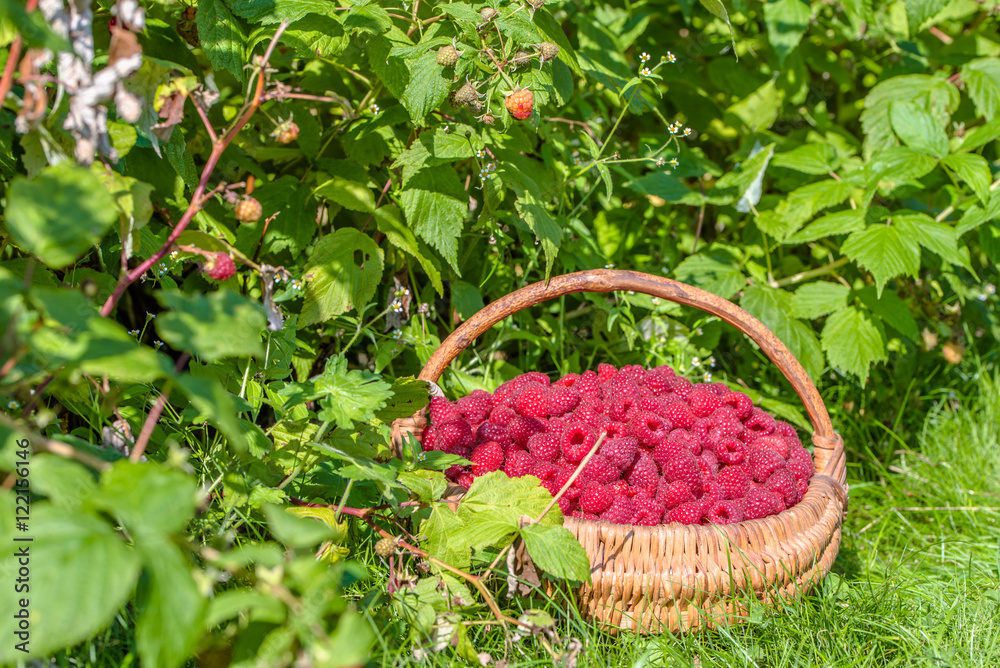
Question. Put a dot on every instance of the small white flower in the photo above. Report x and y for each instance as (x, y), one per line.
(644, 57)
(493, 239)
(687, 132)
(397, 334)
(150, 316)
(656, 300)
(375, 109)
(698, 331)
(707, 377)
(480, 153)
(672, 162)
(134, 332)
(991, 289)
(422, 456)
(631, 292)
(515, 327)
(609, 266)
(695, 362)
(645, 72)
(13, 405)
(158, 344)
(173, 254)
(669, 57)
(711, 362)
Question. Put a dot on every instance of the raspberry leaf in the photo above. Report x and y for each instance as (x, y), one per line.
(556, 551)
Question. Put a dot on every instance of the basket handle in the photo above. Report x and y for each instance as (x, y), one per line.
(829, 452)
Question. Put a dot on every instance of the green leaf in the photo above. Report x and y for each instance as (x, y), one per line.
(349, 396)
(465, 299)
(427, 485)
(148, 499)
(368, 18)
(934, 236)
(892, 310)
(886, 251)
(347, 193)
(428, 87)
(973, 170)
(505, 500)
(442, 528)
(841, 222)
(556, 551)
(853, 341)
(82, 573)
(534, 213)
(65, 483)
(716, 269)
(343, 272)
(733, 186)
(786, 21)
(317, 37)
(982, 80)
(268, 12)
(759, 110)
(213, 326)
(438, 147)
(801, 204)
(940, 96)
(773, 307)
(170, 607)
(981, 135)
(719, 11)
(919, 12)
(815, 159)
(918, 129)
(435, 204)
(390, 223)
(60, 213)
(296, 531)
(221, 37)
(408, 396)
(814, 300)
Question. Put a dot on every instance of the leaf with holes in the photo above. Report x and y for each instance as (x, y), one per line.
(342, 273)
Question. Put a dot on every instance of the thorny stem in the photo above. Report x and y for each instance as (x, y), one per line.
(218, 147)
(154, 413)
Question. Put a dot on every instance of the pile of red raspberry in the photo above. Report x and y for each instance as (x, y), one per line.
(673, 451)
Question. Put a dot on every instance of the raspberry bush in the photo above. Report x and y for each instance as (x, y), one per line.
(233, 232)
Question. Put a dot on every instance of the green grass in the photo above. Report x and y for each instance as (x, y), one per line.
(915, 582)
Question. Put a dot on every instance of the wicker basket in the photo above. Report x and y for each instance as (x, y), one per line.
(677, 577)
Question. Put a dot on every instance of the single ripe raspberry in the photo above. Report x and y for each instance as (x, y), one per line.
(520, 103)
(725, 512)
(501, 414)
(621, 452)
(703, 402)
(759, 423)
(762, 463)
(596, 498)
(687, 513)
(586, 413)
(561, 400)
(658, 383)
(730, 451)
(709, 493)
(521, 429)
(680, 415)
(740, 403)
(605, 372)
(556, 425)
(648, 428)
(619, 488)
(386, 547)
(684, 467)
(220, 267)
(248, 210)
(566, 505)
(623, 384)
(772, 442)
(673, 494)
(455, 434)
(667, 450)
(643, 473)
(648, 512)
(782, 482)
(801, 465)
(577, 441)
(782, 428)
(440, 411)
(582, 515)
(287, 132)
(623, 408)
(485, 458)
(465, 479)
(710, 430)
(681, 386)
(686, 439)
(599, 469)
(588, 385)
(709, 463)
(447, 56)
(489, 431)
(477, 406)
(569, 380)
(428, 439)
(760, 503)
(615, 429)
(544, 447)
(530, 400)
(519, 463)
(530, 377)
(734, 481)
(620, 511)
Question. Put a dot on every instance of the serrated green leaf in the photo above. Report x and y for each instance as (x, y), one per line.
(940, 95)
(211, 326)
(773, 306)
(719, 11)
(973, 170)
(535, 214)
(408, 396)
(343, 272)
(316, 37)
(893, 311)
(368, 18)
(170, 608)
(390, 223)
(435, 204)
(786, 22)
(427, 485)
(295, 531)
(759, 110)
(60, 213)
(841, 222)
(815, 159)
(428, 87)
(981, 135)
(918, 129)
(215, 405)
(934, 236)
(66, 483)
(349, 396)
(441, 528)
(268, 12)
(887, 251)
(853, 341)
(715, 269)
(801, 204)
(221, 37)
(82, 573)
(814, 300)
(982, 80)
(347, 193)
(919, 12)
(556, 551)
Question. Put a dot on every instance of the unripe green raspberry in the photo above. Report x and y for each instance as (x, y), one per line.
(385, 547)
(447, 56)
(548, 51)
